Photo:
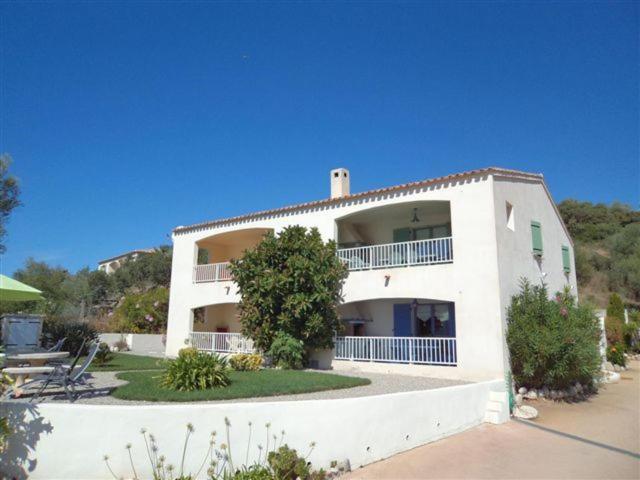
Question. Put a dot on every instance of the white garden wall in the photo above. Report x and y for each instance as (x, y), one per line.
(143, 343)
(63, 441)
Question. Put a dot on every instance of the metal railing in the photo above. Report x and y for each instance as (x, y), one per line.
(221, 342)
(424, 350)
(211, 272)
(402, 254)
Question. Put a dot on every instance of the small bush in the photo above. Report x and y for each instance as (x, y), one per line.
(553, 343)
(287, 465)
(615, 354)
(103, 355)
(74, 332)
(287, 352)
(194, 370)
(244, 362)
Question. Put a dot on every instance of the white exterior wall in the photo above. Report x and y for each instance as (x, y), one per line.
(488, 261)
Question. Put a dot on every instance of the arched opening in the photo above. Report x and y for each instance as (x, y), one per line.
(215, 252)
(414, 233)
(216, 328)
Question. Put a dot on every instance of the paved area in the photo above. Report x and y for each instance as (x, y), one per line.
(596, 439)
(101, 384)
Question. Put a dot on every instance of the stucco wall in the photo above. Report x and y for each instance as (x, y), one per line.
(69, 440)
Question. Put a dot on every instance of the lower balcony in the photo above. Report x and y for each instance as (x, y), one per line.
(221, 342)
(418, 350)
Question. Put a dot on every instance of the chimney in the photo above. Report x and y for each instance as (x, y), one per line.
(339, 182)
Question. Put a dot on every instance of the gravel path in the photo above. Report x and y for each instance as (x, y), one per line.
(102, 383)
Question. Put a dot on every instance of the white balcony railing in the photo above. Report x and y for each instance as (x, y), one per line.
(211, 272)
(402, 254)
(424, 350)
(221, 342)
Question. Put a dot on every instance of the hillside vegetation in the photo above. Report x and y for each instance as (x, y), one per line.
(607, 250)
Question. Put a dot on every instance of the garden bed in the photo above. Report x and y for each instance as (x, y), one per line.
(145, 385)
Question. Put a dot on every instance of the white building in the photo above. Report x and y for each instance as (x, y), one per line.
(432, 267)
(110, 265)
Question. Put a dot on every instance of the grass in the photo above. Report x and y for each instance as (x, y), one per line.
(123, 362)
(263, 383)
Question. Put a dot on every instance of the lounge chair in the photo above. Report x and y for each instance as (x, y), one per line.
(63, 375)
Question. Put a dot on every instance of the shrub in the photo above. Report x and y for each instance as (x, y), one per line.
(287, 465)
(121, 345)
(103, 355)
(287, 352)
(615, 354)
(290, 283)
(143, 312)
(246, 362)
(552, 343)
(74, 332)
(195, 371)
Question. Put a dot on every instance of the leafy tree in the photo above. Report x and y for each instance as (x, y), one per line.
(9, 196)
(614, 320)
(290, 283)
(143, 312)
(625, 260)
(146, 271)
(52, 281)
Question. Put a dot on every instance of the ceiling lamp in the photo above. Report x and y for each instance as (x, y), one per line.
(415, 218)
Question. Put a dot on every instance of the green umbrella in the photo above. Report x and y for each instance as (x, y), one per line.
(14, 291)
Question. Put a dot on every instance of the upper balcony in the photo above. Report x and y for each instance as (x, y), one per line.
(402, 235)
(215, 252)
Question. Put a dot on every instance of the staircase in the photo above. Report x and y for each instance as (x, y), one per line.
(497, 408)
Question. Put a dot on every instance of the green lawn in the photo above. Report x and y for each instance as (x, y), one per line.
(122, 362)
(263, 383)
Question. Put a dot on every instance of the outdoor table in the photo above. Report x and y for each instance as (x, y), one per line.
(35, 359)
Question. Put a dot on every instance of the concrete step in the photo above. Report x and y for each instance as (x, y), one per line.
(499, 396)
(496, 406)
(496, 417)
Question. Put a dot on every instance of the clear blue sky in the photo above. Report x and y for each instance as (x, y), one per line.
(127, 119)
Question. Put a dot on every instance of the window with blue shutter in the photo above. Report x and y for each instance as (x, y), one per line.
(566, 259)
(536, 238)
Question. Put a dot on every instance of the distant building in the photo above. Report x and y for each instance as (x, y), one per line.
(110, 265)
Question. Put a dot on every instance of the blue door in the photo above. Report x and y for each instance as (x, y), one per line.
(401, 328)
(402, 320)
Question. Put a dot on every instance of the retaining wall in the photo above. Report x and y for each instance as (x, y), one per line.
(145, 343)
(62, 441)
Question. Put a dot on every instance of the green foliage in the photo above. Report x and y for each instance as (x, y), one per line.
(103, 355)
(143, 312)
(607, 246)
(74, 332)
(615, 320)
(287, 352)
(145, 272)
(290, 283)
(631, 336)
(588, 222)
(615, 354)
(254, 472)
(244, 362)
(552, 343)
(195, 371)
(625, 261)
(9, 196)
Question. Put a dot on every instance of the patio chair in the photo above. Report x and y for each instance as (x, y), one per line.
(65, 376)
(58, 346)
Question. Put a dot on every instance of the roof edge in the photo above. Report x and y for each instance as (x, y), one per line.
(355, 196)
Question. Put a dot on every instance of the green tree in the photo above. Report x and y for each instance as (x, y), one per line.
(290, 283)
(146, 271)
(614, 320)
(624, 274)
(9, 196)
(52, 281)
